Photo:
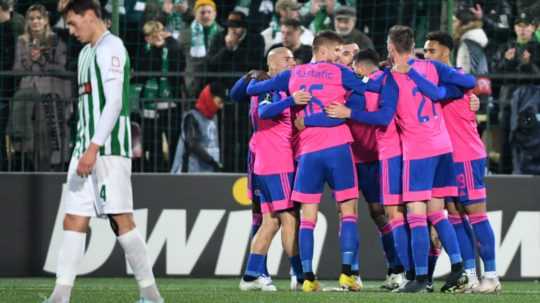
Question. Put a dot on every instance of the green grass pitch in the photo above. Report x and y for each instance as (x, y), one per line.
(118, 290)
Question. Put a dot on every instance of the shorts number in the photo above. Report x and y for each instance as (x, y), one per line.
(103, 193)
(423, 101)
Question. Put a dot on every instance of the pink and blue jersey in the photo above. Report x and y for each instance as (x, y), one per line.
(271, 140)
(327, 83)
(463, 131)
(469, 151)
(373, 142)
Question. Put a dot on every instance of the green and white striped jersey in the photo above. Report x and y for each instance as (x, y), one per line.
(106, 61)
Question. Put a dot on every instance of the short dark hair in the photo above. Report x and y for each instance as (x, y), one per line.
(443, 38)
(367, 54)
(79, 7)
(293, 23)
(326, 37)
(402, 37)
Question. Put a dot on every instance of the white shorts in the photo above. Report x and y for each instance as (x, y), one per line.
(106, 191)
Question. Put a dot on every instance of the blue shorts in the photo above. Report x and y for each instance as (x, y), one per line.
(334, 166)
(430, 177)
(273, 191)
(380, 181)
(470, 181)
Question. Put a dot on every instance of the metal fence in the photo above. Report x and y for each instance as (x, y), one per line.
(36, 127)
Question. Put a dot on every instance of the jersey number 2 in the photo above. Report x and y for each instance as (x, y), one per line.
(423, 101)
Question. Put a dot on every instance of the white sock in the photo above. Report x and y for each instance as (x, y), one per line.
(69, 256)
(470, 272)
(137, 257)
(491, 275)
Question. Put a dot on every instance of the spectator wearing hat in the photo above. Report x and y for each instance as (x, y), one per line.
(285, 9)
(196, 42)
(198, 147)
(344, 25)
(521, 54)
(291, 31)
(236, 49)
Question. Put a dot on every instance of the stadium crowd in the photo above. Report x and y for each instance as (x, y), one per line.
(185, 54)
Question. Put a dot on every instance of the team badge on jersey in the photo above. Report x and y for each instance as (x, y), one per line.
(85, 88)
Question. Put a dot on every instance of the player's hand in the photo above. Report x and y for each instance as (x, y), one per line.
(474, 103)
(338, 110)
(87, 161)
(301, 97)
(299, 123)
(477, 11)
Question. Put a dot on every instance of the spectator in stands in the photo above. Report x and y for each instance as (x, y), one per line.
(173, 14)
(198, 149)
(161, 114)
(236, 49)
(39, 109)
(7, 56)
(196, 41)
(471, 40)
(285, 9)
(318, 14)
(521, 54)
(344, 25)
(259, 13)
(291, 31)
(497, 18)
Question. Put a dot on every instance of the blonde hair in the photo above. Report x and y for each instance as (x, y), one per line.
(45, 37)
(152, 27)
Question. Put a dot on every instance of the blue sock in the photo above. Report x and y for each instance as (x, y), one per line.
(419, 242)
(432, 261)
(355, 265)
(254, 266)
(486, 238)
(296, 265)
(348, 239)
(464, 240)
(447, 235)
(400, 234)
(387, 240)
(306, 245)
(265, 267)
